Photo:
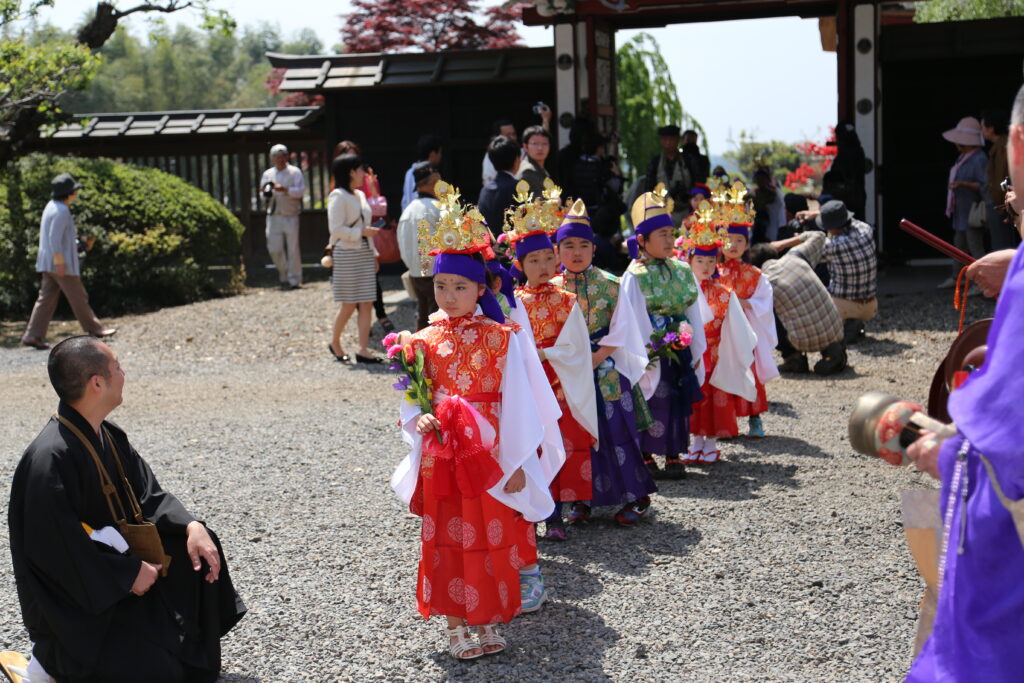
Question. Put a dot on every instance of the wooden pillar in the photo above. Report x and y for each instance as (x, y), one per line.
(844, 58)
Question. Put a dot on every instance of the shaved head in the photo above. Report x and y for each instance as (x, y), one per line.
(73, 361)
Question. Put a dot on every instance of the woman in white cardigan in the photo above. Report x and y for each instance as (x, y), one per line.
(353, 278)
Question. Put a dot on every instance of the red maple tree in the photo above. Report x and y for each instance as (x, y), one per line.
(816, 159)
(428, 26)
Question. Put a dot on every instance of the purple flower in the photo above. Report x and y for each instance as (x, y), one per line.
(403, 383)
(671, 338)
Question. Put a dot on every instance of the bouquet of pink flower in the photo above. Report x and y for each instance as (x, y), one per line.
(412, 383)
(664, 343)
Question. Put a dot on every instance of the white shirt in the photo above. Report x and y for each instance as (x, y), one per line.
(288, 203)
(488, 172)
(347, 215)
(408, 234)
(408, 187)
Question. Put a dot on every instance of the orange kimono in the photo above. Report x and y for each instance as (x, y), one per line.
(471, 548)
(715, 414)
(548, 308)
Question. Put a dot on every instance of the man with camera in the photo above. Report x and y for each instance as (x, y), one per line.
(283, 187)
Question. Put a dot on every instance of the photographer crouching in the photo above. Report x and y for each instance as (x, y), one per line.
(977, 634)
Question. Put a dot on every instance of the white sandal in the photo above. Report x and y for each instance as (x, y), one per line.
(488, 636)
(463, 643)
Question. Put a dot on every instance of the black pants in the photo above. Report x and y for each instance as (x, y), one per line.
(378, 305)
(172, 633)
(784, 347)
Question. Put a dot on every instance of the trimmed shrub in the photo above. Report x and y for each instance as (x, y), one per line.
(156, 235)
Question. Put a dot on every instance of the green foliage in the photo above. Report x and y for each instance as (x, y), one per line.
(156, 235)
(779, 157)
(965, 10)
(185, 68)
(647, 100)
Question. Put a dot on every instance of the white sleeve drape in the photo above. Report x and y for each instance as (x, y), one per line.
(630, 291)
(522, 430)
(736, 354)
(761, 317)
(624, 335)
(697, 314)
(571, 360)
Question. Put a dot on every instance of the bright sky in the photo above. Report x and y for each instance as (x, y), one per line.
(770, 77)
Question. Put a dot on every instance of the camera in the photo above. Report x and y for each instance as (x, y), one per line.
(1006, 185)
(267, 190)
(540, 107)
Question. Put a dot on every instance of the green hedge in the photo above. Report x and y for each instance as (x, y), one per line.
(156, 235)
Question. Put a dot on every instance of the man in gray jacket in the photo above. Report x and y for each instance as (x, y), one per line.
(59, 265)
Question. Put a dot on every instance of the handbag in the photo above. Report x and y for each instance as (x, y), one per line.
(378, 202)
(386, 242)
(142, 537)
(978, 217)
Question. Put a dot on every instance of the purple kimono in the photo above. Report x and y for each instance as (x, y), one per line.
(979, 626)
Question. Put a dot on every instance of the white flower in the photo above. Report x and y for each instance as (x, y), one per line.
(444, 349)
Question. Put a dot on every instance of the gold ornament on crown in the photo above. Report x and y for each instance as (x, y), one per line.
(460, 228)
(534, 215)
(731, 203)
(706, 230)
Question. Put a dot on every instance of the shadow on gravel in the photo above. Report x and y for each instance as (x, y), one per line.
(781, 445)
(626, 552)
(730, 479)
(560, 642)
(876, 347)
(237, 678)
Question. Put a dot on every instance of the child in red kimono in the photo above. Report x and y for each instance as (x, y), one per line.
(755, 294)
(563, 344)
(473, 474)
(714, 416)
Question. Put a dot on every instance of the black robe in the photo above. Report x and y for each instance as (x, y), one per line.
(75, 594)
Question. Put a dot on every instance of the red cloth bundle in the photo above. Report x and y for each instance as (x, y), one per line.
(463, 465)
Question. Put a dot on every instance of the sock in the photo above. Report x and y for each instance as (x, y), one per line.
(710, 444)
(530, 572)
(697, 444)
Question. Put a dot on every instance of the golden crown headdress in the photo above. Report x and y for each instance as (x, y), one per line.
(534, 215)
(651, 204)
(460, 228)
(733, 205)
(706, 230)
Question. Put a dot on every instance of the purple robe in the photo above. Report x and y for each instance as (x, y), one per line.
(979, 626)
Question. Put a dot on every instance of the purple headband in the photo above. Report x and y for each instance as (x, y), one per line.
(531, 243)
(740, 230)
(507, 286)
(700, 251)
(574, 229)
(646, 227)
(468, 267)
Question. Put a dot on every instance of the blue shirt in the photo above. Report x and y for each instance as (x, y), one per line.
(57, 236)
(973, 170)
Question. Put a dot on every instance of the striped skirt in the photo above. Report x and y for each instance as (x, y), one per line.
(354, 276)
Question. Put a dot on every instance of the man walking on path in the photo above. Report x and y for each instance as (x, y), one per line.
(283, 186)
(58, 262)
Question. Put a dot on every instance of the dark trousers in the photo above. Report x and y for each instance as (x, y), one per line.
(424, 288)
(378, 305)
(172, 633)
(784, 347)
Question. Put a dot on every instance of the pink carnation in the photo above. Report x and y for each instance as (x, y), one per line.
(394, 350)
(390, 340)
(503, 238)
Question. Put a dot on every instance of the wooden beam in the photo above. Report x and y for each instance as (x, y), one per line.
(126, 125)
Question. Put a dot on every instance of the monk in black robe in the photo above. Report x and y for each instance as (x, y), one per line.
(95, 614)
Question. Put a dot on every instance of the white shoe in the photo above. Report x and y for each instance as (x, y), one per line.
(948, 283)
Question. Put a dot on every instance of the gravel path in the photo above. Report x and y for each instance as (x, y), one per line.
(785, 562)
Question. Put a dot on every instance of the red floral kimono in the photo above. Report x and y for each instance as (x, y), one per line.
(715, 414)
(744, 278)
(548, 307)
(471, 548)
